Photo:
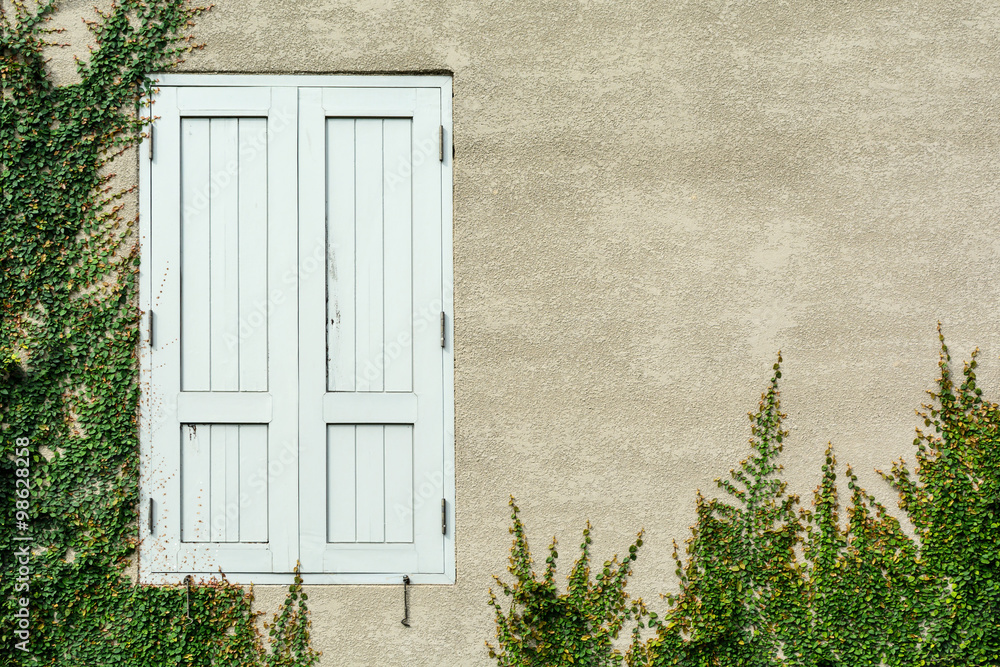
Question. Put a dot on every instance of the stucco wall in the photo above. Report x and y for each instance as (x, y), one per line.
(651, 199)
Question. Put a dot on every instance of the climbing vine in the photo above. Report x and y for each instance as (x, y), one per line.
(765, 582)
(68, 370)
(545, 628)
(953, 500)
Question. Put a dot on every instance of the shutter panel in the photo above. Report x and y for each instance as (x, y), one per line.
(371, 416)
(220, 416)
(271, 433)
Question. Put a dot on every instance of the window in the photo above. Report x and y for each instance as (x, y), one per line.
(297, 359)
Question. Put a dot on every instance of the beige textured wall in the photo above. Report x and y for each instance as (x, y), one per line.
(652, 198)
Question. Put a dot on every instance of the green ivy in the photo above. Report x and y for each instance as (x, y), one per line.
(545, 628)
(953, 500)
(765, 582)
(69, 387)
(734, 605)
(289, 632)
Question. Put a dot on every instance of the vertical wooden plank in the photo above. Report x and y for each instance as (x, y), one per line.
(252, 235)
(399, 483)
(196, 483)
(195, 255)
(284, 443)
(444, 100)
(370, 483)
(224, 146)
(311, 443)
(340, 191)
(369, 276)
(429, 358)
(253, 483)
(165, 465)
(231, 509)
(341, 488)
(397, 206)
(147, 458)
(217, 473)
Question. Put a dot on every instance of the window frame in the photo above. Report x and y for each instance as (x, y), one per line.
(146, 290)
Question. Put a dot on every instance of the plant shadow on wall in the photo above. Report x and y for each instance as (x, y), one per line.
(857, 592)
(69, 377)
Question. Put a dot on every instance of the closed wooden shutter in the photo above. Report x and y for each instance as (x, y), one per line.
(296, 388)
(370, 343)
(220, 408)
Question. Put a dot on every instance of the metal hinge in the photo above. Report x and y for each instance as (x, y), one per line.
(444, 517)
(150, 516)
(442, 328)
(149, 324)
(150, 143)
(441, 147)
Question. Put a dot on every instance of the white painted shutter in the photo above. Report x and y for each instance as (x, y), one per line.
(372, 365)
(220, 413)
(297, 390)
